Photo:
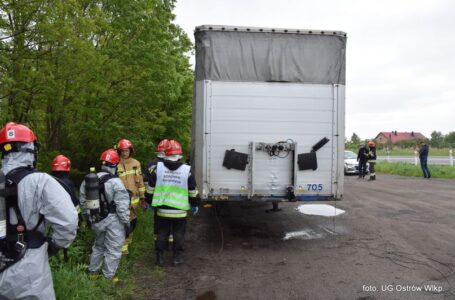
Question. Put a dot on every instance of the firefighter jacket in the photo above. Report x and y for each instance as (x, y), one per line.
(129, 171)
(372, 154)
(172, 189)
(150, 169)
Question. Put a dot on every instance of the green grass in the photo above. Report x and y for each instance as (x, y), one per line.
(406, 169)
(71, 279)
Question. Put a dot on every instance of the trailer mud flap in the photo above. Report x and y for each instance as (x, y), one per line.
(235, 160)
(307, 161)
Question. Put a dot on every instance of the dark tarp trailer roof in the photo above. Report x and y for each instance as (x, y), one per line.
(253, 54)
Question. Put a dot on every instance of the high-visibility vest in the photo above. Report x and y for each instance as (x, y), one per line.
(171, 187)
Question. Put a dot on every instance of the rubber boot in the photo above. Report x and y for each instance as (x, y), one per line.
(178, 259)
(159, 259)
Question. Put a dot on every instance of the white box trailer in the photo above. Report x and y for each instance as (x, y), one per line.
(268, 114)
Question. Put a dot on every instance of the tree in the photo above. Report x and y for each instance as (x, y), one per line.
(355, 139)
(450, 139)
(437, 139)
(85, 73)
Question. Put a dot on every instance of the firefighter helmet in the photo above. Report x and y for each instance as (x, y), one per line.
(13, 132)
(162, 145)
(174, 148)
(125, 144)
(61, 163)
(13, 135)
(110, 156)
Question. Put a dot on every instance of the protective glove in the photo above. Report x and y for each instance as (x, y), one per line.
(52, 248)
(195, 210)
(127, 230)
(143, 204)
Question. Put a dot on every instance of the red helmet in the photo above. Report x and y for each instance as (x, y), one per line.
(61, 163)
(162, 146)
(13, 132)
(125, 144)
(174, 148)
(110, 156)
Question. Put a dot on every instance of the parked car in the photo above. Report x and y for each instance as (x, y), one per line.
(351, 165)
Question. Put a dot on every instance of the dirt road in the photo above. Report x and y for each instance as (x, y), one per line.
(396, 240)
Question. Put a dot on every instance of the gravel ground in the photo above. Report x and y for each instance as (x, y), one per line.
(394, 241)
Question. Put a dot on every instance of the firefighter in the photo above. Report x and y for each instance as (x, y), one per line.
(130, 172)
(109, 218)
(160, 155)
(173, 191)
(362, 158)
(33, 201)
(372, 159)
(60, 169)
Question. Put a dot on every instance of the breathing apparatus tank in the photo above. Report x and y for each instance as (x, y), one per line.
(92, 194)
(2, 206)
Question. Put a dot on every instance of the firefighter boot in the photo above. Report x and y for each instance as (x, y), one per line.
(178, 259)
(159, 259)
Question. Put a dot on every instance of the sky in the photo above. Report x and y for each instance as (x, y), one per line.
(400, 57)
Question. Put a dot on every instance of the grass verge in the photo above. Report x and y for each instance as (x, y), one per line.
(71, 280)
(406, 169)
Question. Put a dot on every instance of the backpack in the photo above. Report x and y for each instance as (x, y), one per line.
(18, 237)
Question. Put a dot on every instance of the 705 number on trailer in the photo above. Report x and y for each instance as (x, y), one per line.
(314, 187)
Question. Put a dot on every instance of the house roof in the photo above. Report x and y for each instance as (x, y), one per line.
(401, 136)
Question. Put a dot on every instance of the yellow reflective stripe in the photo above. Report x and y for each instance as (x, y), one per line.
(130, 172)
(142, 189)
(134, 201)
(149, 190)
(167, 215)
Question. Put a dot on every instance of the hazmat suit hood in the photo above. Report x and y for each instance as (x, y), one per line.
(110, 169)
(15, 160)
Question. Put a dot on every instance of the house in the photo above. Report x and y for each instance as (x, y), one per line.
(393, 136)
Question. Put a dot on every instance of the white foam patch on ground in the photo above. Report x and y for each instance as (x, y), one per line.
(320, 210)
(308, 234)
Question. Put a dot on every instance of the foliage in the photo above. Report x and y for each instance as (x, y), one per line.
(355, 139)
(439, 140)
(354, 143)
(85, 73)
(406, 169)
